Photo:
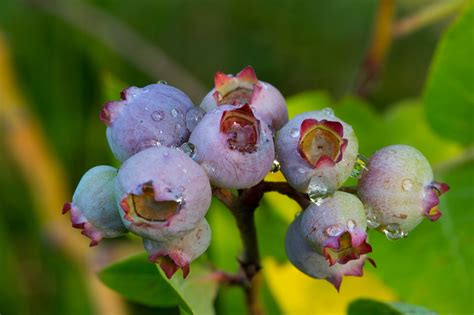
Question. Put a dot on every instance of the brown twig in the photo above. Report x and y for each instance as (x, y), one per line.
(381, 40)
(285, 189)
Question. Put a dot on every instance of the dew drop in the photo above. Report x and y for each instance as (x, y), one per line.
(407, 184)
(372, 221)
(393, 231)
(334, 230)
(177, 127)
(328, 111)
(301, 170)
(157, 115)
(359, 166)
(174, 112)
(317, 191)
(166, 154)
(294, 133)
(351, 225)
(189, 149)
(276, 166)
(193, 117)
(181, 189)
(162, 82)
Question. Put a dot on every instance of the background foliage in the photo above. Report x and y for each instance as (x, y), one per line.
(71, 56)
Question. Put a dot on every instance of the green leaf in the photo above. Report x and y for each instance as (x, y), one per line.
(405, 123)
(449, 93)
(432, 267)
(198, 290)
(138, 280)
(307, 101)
(368, 306)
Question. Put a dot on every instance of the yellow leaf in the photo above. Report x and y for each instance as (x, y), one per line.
(299, 294)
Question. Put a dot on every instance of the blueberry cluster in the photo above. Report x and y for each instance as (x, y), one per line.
(174, 154)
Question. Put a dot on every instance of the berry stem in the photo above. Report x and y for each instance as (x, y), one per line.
(285, 189)
(243, 208)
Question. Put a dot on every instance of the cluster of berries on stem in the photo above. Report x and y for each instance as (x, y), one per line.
(176, 156)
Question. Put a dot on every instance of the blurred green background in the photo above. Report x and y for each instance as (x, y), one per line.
(69, 57)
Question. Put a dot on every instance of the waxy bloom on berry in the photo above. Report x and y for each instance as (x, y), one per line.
(335, 228)
(398, 190)
(162, 193)
(93, 208)
(180, 252)
(244, 88)
(317, 151)
(146, 117)
(233, 146)
(307, 260)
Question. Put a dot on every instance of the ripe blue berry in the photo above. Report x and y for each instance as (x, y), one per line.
(162, 193)
(317, 151)
(180, 252)
(93, 208)
(146, 117)
(244, 88)
(398, 190)
(307, 260)
(234, 148)
(336, 228)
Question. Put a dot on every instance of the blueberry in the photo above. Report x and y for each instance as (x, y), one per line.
(162, 193)
(233, 146)
(146, 117)
(93, 208)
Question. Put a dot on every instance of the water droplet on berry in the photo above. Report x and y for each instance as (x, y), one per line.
(294, 133)
(193, 117)
(301, 170)
(276, 166)
(407, 184)
(174, 112)
(359, 166)
(162, 82)
(372, 221)
(188, 148)
(393, 231)
(166, 154)
(334, 230)
(351, 225)
(177, 127)
(328, 111)
(181, 189)
(157, 115)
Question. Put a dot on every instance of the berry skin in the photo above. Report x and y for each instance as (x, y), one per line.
(336, 228)
(162, 193)
(317, 151)
(244, 88)
(180, 252)
(313, 264)
(398, 190)
(146, 117)
(93, 208)
(234, 148)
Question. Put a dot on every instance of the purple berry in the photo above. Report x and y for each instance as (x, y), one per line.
(307, 260)
(336, 228)
(180, 252)
(317, 152)
(398, 190)
(244, 88)
(93, 208)
(146, 117)
(234, 148)
(162, 193)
